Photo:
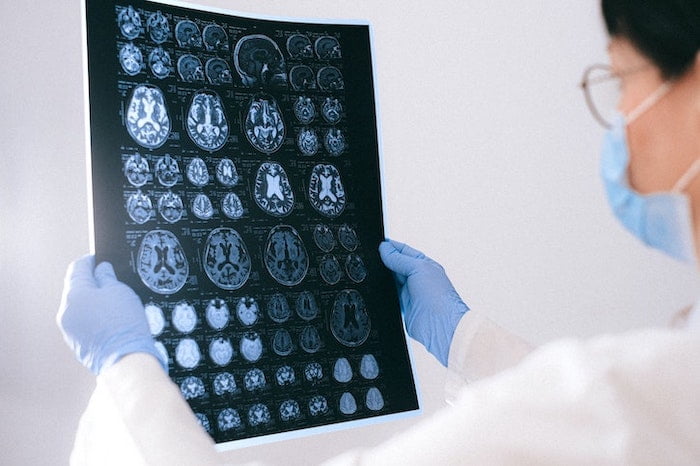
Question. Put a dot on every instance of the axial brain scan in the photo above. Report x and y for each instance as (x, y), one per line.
(170, 207)
(159, 62)
(332, 110)
(129, 22)
(136, 170)
(158, 27)
(323, 237)
(162, 264)
(184, 317)
(259, 62)
(307, 141)
(187, 34)
(342, 372)
(304, 110)
(264, 127)
(187, 353)
(247, 311)
(310, 340)
(155, 318)
(326, 191)
(285, 376)
(349, 320)
(147, 120)
(334, 141)
(131, 59)
(167, 171)
(251, 346)
(347, 404)
(139, 207)
(282, 342)
(202, 207)
(278, 308)
(221, 351)
(348, 237)
(285, 256)
(226, 260)
(217, 313)
(273, 192)
(306, 307)
(329, 268)
(231, 206)
(197, 172)
(207, 125)
(226, 173)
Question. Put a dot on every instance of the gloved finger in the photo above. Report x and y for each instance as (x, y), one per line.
(406, 249)
(104, 274)
(80, 273)
(395, 261)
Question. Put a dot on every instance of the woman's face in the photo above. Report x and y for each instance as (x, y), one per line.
(665, 139)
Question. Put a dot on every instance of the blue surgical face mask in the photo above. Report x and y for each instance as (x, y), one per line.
(661, 220)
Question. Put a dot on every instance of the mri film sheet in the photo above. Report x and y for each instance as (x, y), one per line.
(236, 188)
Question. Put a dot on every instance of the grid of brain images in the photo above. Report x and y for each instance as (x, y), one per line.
(236, 163)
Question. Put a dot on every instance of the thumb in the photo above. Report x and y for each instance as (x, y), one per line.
(104, 274)
(396, 261)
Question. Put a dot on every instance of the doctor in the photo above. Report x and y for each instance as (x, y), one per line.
(626, 399)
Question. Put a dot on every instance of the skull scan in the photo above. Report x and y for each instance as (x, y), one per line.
(285, 376)
(355, 268)
(139, 207)
(263, 126)
(369, 368)
(302, 78)
(259, 62)
(307, 141)
(129, 22)
(327, 48)
(289, 410)
(374, 399)
(161, 262)
(349, 321)
(326, 191)
(226, 260)
(167, 171)
(187, 34)
(190, 69)
(160, 63)
(347, 404)
(217, 313)
(318, 406)
(170, 207)
(306, 306)
(278, 308)
(282, 342)
(202, 207)
(247, 311)
(187, 353)
(251, 347)
(197, 172)
(313, 372)
(273, 192)
(203, 421)
(323, 237)
(221, 351)
(136, 170)
(131, 59)
(147, 120)
(285, 256)
(329, 268)
(226, 173)
(215, 38)
(228, 419)
(299, 46)
(207, 125)
(184, 317)
(218, 71)
(332, 110)
(334, 142)
(224, 383)
(258, 414)
(158, 27)
(330, 79)
(155, 318)
(254, 379)
(342, 372)
(348, 237)
(231, 206)
(310, 340)
(192, 387)
(304, 110)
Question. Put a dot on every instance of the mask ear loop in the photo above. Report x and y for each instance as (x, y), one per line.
(687, 177)
(648, 102)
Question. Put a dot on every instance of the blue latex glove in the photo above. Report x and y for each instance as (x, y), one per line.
(431, 306)
(101, 318)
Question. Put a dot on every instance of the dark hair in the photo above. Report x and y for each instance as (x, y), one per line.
(666, 31)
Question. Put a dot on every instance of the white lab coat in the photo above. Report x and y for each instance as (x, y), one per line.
(615, 399)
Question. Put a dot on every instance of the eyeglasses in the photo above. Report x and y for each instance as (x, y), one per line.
(602, 88)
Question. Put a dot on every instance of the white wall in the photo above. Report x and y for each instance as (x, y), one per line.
(491, 168)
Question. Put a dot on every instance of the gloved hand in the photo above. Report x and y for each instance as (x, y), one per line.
(101, 318)
(431, 306)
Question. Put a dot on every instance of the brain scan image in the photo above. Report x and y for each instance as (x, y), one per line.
(203, 421)
(224, 383)
(374, 399)
(285, 376)
(310, 340)
(184, 317)
(160, 348)
(254, 379)
(139, 207)
(347, 404)
(299, 46)
(285, 256)
(190, 69)
(318, 405)
(187, 34)
(349, 321)
(136, 170)
(226, 173)
(129, 22)
(327, 48)
(306, 307)
(332, 110)
(282, 343)
(302, 78)
(221, 351)
(278, 308)
(187, 353)
(192, 387)
(329, 268)
(313, 372)
(158, 27)
(326, 191)
(231, 206)
(251, 346)
(307, 141)
(197, 172)
(218, 71)
(289, 410)
(247, 311)
(342, 372)
(161, 262)
(167, 171)
(263, 125)
(228, 419)
(348, 237)
(202, 207)
(323, 237)
(160, 63)
(304, 110)
(155, 318)
(334, 142)
(259, 62)
(217, 313)
(207, 125)
(355, 268)
(170, 207)
(131, 59)
(273, 192)
(330, 79)
(226, 260)
(147, 120)
(369, 369)
(215, 38)
(258, 414)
